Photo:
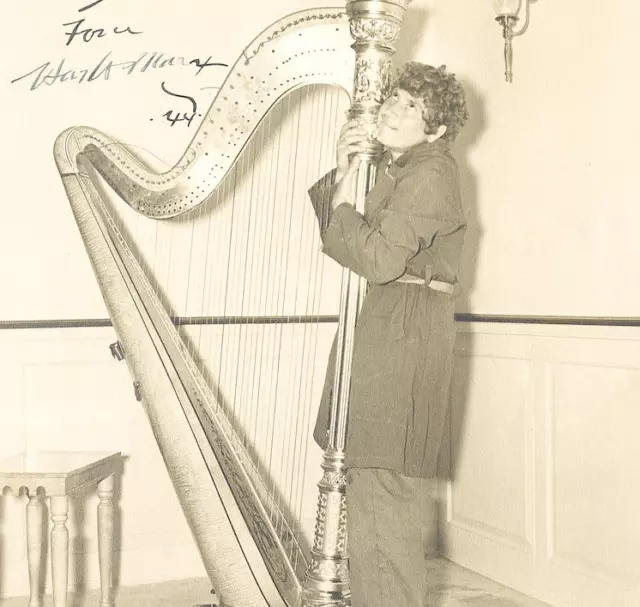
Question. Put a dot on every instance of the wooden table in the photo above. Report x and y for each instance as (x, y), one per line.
(59, 473)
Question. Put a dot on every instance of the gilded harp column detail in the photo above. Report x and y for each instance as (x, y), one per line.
(374, 26)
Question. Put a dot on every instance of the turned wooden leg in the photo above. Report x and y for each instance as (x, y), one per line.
(105, 538)
(34, 548)
(59, 549)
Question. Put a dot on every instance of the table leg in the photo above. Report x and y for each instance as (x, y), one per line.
(59, 549)
(34, 548)
(105, 538)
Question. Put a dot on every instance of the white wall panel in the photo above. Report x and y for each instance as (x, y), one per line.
(497, 424)
(61, 390)
(594, 494)
(542, 493)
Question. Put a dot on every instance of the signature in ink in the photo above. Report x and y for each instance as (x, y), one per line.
(200, 65)
(85, 8)
(47, 74)
(87, 34)
(174, 117)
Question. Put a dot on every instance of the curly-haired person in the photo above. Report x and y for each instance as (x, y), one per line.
(407, 245)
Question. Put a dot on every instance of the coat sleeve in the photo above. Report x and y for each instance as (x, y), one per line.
(321, 193)
(424, 204)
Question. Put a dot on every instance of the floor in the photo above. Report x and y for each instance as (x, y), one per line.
(452, 585)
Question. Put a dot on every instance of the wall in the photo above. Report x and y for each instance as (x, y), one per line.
(542, 439)
(541, 461)
(547, 160)
(61, 390)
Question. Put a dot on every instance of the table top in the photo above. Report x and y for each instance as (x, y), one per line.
(58, 472)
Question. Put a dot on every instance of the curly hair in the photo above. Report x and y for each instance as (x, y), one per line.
(443, 96)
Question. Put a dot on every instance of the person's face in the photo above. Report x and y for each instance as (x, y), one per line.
(400, 123)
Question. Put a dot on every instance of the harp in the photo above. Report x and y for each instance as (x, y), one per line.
(242, 520)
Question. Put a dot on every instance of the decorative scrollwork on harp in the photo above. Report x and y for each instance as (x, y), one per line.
(249, 546)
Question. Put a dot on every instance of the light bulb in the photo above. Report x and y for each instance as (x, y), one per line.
(506, 8)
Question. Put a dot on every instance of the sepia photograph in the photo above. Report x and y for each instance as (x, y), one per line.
(311, 305)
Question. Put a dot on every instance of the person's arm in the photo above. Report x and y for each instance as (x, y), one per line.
(423, 205)
(321, 194)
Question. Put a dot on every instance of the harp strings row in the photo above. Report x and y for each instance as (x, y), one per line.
(241, 271)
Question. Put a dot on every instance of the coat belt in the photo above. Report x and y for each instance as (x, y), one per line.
(436, 285)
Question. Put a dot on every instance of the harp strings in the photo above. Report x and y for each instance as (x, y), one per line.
(252, 251)
(294, 456)
(323, 137)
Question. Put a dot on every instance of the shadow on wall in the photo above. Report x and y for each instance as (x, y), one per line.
(416, 26)
(466, 140)
(454, 430)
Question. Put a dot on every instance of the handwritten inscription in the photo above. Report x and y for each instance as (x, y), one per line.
(49, 74)
(87, 34)
(173, 116)
(86, 8)
(58, 72)
(206, 63)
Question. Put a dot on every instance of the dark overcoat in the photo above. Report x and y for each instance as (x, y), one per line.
(403, 347)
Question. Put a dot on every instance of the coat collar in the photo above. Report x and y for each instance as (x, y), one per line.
(414, 155)
(422, 150)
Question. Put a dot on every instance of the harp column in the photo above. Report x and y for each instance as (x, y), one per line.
(374, 25)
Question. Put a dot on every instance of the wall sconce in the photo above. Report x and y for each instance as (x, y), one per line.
(508, 12)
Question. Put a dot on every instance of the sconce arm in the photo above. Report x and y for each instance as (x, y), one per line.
(525, 23)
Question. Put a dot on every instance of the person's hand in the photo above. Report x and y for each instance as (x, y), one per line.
(351, 138)
(346, 186)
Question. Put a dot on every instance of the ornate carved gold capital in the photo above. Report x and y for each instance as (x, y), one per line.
(375, 26)
(375, 30)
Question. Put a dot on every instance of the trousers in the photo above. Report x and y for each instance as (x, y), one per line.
(390, 518)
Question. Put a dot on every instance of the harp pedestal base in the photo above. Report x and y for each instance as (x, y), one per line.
(327, 581)
(58, 474)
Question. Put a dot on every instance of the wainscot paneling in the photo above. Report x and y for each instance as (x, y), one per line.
(62, 390)
(541, 462)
